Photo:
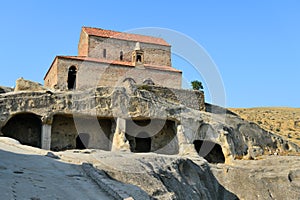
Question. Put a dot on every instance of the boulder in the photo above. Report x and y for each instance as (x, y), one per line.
(26, 85)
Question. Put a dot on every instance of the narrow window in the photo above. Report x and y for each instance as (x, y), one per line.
(138, 58)
(104, 53)
(72, 78)
(121, 55)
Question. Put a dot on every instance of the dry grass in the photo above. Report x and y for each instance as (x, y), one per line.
(279, 120)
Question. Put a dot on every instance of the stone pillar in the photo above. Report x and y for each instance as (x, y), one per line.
(46, 136)
(120, 143)
(184, 147)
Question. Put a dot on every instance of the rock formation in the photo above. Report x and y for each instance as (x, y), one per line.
(26, 85)
(237, 153)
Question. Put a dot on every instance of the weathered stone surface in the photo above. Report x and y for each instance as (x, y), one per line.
(26, 85)
(4, 89)
(272, 177)
(141, 175)
(237, 137)
(165, 177)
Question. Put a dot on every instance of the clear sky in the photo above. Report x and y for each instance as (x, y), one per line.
(254, 44)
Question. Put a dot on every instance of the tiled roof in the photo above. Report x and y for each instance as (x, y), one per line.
(124, 36)
(121, 63)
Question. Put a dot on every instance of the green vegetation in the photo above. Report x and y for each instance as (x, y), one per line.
(197, 85)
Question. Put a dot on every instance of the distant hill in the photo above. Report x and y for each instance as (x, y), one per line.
(283, 121)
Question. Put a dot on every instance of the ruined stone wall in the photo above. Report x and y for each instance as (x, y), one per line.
(153, 54)
(92, 74)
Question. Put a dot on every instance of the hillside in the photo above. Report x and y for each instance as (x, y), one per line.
(280, 120)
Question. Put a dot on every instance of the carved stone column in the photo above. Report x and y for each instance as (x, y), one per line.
(46, 132)
(46, 136)
(184, 147)
(120, 143)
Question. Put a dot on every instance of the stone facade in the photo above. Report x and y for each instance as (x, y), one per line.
(106, 58)
(91, 73)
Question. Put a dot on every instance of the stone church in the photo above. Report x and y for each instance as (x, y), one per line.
(120, 93)
(106, 58)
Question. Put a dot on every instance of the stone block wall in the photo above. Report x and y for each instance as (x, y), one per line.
(83, 44)
(92, 74)
(51, 77)
(153, 54)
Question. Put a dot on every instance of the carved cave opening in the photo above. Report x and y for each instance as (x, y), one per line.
(82, 140)
(25, 127)
(211, 151)
(142, 143)
(80, 132)
(152, 135)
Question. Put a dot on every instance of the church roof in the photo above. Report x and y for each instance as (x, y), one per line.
(124, 36)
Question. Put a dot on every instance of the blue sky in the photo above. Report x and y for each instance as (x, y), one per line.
(254, 44)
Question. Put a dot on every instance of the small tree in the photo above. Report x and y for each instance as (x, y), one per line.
(197, 85)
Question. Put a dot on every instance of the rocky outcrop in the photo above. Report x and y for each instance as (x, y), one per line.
(165, 177)
(272, 177)
(27, 85)
(233, 137)
(5, 89)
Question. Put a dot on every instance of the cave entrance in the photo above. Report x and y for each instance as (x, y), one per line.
(142, 143)
(26, 128)
(82, 140)
(211, 151)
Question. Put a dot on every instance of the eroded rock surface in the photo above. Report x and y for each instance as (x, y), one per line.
(272, 177)
(236, 137)
(27, 85)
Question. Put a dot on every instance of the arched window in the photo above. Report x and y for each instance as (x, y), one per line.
(72, 78)
(121, 55)
(138, 58)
